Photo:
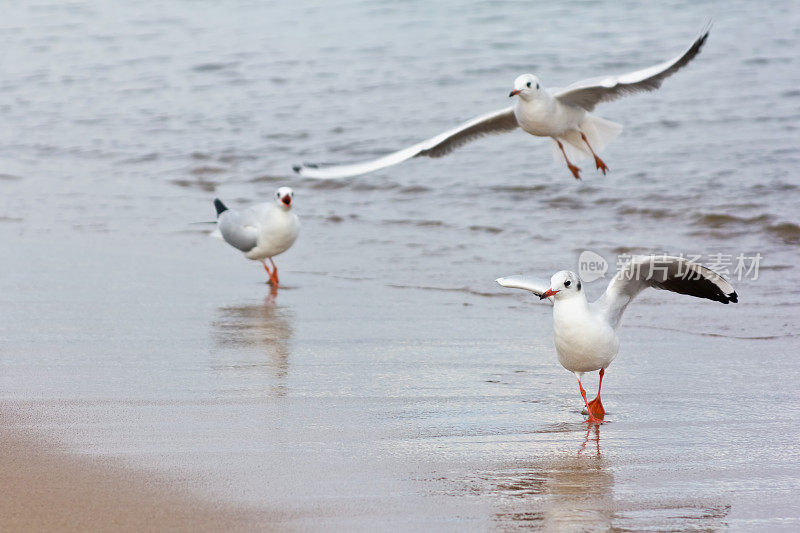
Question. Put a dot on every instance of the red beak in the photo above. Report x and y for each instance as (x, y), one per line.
(547, 294)
(515, 92)
(287, 200)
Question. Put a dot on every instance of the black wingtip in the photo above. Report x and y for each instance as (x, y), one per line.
(729, 298)
(297, 168)
(701, 39)
(221, 208)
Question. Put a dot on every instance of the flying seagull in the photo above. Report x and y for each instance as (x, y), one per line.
(561, 114)
(262, 231)
(586, 333)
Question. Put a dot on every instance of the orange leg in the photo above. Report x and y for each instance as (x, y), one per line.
(274, 271)
(596, 406)
(575, 170)
(273, 278)
(592, 419)
(597, 161)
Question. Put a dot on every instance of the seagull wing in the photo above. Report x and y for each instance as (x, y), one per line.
(239, 229)
(536, 286)
(588, 93)
(674, 274)
(444, 143)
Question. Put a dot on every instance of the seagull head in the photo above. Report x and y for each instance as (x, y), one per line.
(283, 197)
(563, 284)
(526, 86)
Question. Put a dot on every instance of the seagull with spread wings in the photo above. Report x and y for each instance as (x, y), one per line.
(561, 114)
(585, 333)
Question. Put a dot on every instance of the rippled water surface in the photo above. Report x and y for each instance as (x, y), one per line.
(392, 381)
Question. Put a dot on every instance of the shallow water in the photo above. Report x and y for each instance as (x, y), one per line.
(392, 380)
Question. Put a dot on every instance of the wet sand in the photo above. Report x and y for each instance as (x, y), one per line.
(45, 488)
(340, 411)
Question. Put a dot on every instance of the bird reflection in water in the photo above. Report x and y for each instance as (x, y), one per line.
(592, 434)
(565, 491)
(571, 492)
(254, 342)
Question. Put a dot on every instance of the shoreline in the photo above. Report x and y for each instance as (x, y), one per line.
(49, 489)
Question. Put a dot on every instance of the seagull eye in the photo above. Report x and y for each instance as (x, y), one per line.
(529, 85)
(567, 283)
(537, 85)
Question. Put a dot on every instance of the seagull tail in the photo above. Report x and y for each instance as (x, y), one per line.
(219, 206)
(599, 132)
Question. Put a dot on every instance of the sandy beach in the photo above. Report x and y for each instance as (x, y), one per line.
(151, 380)
(47, 489)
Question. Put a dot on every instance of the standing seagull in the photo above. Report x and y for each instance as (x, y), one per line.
(586, 334)
(561, 114)
(261, 231)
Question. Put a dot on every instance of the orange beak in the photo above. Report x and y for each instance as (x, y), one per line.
(515, 92)
(287, 200)
(548, 293)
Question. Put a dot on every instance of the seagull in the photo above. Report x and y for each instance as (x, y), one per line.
(561, 114)
(586, 333)
(261, 231)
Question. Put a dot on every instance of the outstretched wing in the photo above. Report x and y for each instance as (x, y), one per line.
(674, 274)
(588, 93)
(536, 286)
(444, 143)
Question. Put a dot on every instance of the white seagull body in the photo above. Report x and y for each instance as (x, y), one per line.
(261, 231)
(561, 114)
(585, 333)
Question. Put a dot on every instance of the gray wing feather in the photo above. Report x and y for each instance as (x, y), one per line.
(239, 229)
(496, 122)
(665, 272)
(444, 143)
(588, 93)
